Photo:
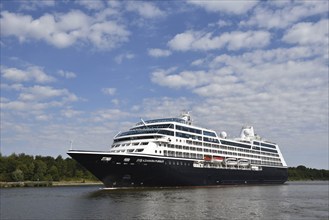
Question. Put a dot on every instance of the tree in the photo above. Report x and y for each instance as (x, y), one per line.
(53, 172)
(17, 175)
(39, 170)
(302, 168)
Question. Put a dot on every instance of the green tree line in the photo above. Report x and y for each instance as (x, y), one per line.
(303, 173)
(22, 167)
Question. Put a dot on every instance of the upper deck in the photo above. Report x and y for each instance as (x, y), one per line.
(179, 138)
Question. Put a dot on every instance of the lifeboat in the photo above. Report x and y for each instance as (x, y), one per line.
(231, 161)
(244, 162)
(207, 158)
(217, 159)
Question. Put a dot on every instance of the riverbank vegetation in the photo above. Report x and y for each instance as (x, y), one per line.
(23, 168)
(303, 173)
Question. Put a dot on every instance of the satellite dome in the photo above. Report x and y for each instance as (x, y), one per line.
(246, 132)
(223, 134)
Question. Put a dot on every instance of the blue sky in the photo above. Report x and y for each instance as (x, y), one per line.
(85, 70)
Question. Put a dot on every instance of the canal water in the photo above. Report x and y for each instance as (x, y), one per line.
(293, 200)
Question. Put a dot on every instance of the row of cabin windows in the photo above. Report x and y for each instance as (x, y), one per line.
(182, 154)
(196, 137)
(187, 129)
(273, 153)
(196, 131)
(208, 133)
(264, 144)
(212, 140)
(271, 163)
(155, 126)
(178, 127)
(235, 144)
(141, 130)
(129, 144)
(178, 163)
(188, 136)
(200, 156)
(128, 150)
(153, 129)
(269, 150)
(266, 163)
(235, 150)
(134, 138)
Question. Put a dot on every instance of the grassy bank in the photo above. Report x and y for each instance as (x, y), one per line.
(25, 184)
(76, 183)
(47, 183)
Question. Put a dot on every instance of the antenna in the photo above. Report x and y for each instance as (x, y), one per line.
(144, 123)
(71, 144)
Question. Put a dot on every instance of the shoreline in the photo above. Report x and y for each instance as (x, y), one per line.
(76, 183)
(81, 183)
(47, 183)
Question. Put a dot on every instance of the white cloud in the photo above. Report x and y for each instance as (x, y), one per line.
(43, 117)
(308, 33)
(145, 9)
(70, 113)
(107, 35)
(115, 101)
(40, 93)
(280, 85)
(37, 98)
(194, 40)
(67, 74)
(276, 15)
(251, 39)
(184, 41)
(230, 7)
(25, 106)
(109, 114)
(37, 93)
(163, 107)
(156, 52)
(274, 56)
(31, 73)
(188, 79)
(120, 58)
(64, 30)
(109, 91)
(223, 23)
(15, 87)
(198, 62)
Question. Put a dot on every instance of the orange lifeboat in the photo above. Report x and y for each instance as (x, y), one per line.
(218, 159)
(207, 158)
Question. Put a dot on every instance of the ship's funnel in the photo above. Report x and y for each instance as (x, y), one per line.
(187, 118)
(247, 132)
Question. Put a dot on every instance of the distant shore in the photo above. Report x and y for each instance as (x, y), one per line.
(79, 183)
(76, 183)
(47, 183)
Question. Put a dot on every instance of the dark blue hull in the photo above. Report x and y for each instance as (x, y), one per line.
(145, 171)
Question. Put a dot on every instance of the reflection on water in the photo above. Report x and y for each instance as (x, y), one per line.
(297, 200)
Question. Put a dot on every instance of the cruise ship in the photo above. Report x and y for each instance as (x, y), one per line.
(169, 152)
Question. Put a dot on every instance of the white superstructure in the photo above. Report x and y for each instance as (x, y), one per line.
(178, 138)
